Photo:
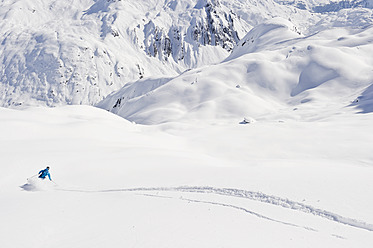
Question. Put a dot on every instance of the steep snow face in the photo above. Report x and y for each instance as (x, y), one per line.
(67, 53)
(262, 77)
(79, 51)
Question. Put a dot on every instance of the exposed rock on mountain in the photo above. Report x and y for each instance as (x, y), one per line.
(272, 69)
(79, 51)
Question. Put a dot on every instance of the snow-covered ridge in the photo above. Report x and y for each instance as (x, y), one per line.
(336, 6)
(78, 52)
(322, 6)
(272, 69)
(55, 53)
(266, 35)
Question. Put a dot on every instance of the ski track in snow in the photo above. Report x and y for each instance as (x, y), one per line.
(251, 195)
(235, 207)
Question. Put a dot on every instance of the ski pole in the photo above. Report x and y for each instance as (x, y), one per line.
(33, 176)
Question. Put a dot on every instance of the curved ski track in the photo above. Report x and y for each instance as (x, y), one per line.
(251, 195)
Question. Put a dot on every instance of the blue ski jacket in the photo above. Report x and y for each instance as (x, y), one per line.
(44, 173)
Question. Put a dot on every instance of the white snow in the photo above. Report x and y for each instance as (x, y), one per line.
(272, 69)
(267, 145)
(268, 183)
(55, 53)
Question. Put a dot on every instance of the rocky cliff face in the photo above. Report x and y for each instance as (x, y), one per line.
(207, 23)
(216, 26)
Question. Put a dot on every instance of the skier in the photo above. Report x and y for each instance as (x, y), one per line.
(44, 173)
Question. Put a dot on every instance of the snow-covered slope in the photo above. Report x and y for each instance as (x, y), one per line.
(267, 184)
(263, 113)
(327, 5)
(78, 51)
(273, 68)
(337, 13)
(335, 6)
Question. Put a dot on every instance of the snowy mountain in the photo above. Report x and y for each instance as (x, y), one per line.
(55, 53)
(274, 68)
(79, 51)
(237, 123)
(337, 6)
(322, 6)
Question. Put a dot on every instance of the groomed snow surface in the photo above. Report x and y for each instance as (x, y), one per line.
(278, 182)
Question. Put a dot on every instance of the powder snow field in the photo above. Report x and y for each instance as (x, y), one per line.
(272, 147)
(271, 183)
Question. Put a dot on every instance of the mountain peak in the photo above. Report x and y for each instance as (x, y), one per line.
(206, 3)
(266, 35)
(56, 54)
